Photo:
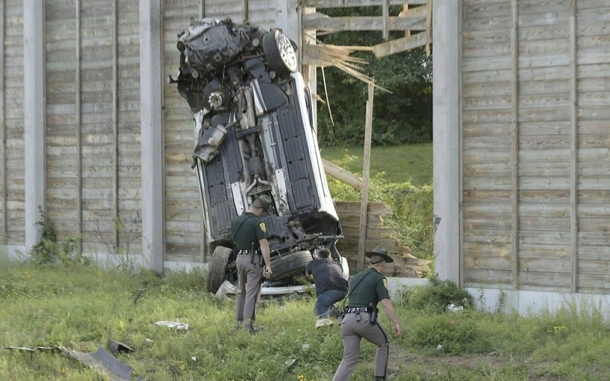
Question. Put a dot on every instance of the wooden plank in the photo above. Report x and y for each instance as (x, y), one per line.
(488, 143)
(593, 197)
(546, 183)
(400, 45)
(544, 142)
(480, 156)
(544, 224)
(593, 283)
(487, 169)
(493, 129)
(595, 209)
(486, 196)
(594, 183)
(487, 263)
(483, 183)
(529, 130)
(594, 238)
(552, 265)
(543, 280)
(356, 3)
(545, 238)
(379, 208)
(488, 236)
(597, 224)
(545, 251)
(325, 24)
(594, 253)
(543, 169)
(481, 277)
(365, 175)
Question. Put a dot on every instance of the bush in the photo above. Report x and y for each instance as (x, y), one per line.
(50, 252)
(436, 296)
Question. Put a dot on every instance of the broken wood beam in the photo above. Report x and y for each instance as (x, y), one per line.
(400, 45)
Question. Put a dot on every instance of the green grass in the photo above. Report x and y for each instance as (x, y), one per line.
(400, 163)
(82, 307)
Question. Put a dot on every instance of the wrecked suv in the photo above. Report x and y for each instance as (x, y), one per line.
(255, 135)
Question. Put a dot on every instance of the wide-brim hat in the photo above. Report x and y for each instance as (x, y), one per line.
(380, 251)
(262, 202)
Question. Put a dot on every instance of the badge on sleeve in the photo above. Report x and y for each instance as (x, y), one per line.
(385, 283)
(263, 227)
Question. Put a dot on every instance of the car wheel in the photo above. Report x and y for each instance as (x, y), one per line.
(281, 54)
(290, 265)
(217, 269)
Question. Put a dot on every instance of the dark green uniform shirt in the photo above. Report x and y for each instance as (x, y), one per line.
(247, 230)
(368, 287)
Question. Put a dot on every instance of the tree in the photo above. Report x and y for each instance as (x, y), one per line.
(404, 116)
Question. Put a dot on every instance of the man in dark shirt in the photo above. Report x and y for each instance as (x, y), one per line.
(331, 287)
(367, 289)
(250, 236)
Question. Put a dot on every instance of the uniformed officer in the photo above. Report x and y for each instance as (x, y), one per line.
(366, 290)
(250, 236)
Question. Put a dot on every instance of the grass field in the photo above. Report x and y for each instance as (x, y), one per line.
(400, 163)
(80, 308)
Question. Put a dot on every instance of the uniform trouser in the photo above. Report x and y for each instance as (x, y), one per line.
(352, 331)
(248, 290)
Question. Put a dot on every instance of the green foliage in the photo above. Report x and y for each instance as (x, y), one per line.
(48, 251)
(436, 296)
(402, 116)
(412, 208)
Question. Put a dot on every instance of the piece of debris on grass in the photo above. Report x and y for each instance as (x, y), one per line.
(117, 347)
(173, 324)
(101, 360)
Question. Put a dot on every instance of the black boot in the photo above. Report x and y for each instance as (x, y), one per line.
(379, 378)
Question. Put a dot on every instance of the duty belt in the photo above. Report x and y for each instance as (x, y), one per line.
(246, 252)
(353, 310)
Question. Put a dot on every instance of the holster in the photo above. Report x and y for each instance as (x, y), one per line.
(373, 312)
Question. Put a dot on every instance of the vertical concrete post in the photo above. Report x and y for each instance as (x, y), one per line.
(34, 116)
(446, 135)
(151, 105)
(288, 18)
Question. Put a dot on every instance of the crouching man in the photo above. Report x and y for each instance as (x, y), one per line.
(331, 287)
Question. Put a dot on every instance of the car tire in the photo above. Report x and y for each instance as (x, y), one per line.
(280, 52)
(217, 269)
(290, 265)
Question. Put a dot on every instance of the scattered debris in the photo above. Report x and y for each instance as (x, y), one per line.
(173, 324)
(31, 349)
(117, 347)
(101, 360)
(291, 364)
(454, 308)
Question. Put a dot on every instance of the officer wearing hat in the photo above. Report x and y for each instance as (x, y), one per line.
(367, 289)
(250, 237)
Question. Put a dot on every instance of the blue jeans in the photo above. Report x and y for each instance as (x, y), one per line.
(326, 300)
